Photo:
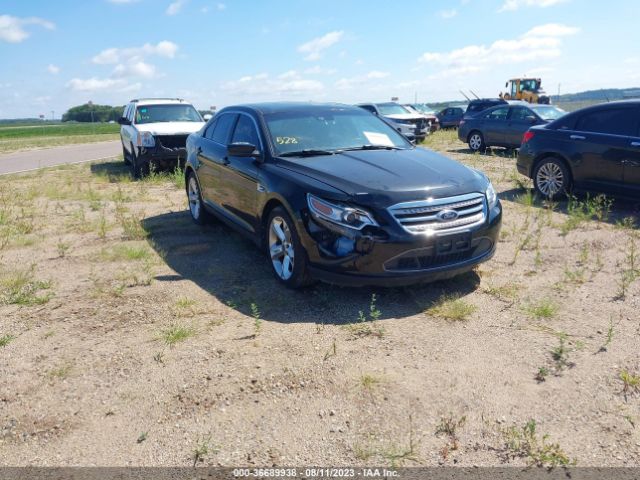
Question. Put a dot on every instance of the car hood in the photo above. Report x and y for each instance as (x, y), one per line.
(170, 128)
(385, 177)
(405, 116)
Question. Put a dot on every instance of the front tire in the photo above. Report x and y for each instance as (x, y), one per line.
(551, 178)
(476, 142)
(288, 258)
(125, 156)
(199, 213)
(139, 168)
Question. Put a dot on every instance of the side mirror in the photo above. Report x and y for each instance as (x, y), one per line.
(207, 117)
(506, 84)
(242, 149)
(124, 121)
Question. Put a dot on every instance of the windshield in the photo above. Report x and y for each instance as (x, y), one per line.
(167, 113)
(423, 108)
(392, 109)
(547, 112)
(330, 130)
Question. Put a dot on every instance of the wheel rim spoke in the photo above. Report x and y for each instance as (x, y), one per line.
(281, 249)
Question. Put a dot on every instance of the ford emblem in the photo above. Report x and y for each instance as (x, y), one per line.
(446, 215)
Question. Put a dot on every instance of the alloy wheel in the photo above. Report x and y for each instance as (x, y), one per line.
(281, 248)
(550, 179)
(194, 197)
(475, 141)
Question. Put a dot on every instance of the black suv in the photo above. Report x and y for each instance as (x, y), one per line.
(596, 148)
(332, 192)
(481, 104)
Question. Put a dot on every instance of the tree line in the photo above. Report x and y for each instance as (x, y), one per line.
(92, 113)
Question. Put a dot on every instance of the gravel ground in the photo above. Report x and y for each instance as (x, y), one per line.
(130, 336)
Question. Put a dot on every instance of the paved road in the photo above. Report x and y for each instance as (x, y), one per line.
(49, 157)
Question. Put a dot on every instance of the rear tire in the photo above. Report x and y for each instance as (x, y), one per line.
(476, 142)
(287, 256)
(551, 178)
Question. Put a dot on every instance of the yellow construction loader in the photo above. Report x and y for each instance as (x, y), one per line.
(527, 89)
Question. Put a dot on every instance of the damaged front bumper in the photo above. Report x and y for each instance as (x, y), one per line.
(386, 256)
(169, 151)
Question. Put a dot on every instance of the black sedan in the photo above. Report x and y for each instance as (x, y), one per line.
(596, 148)
(504, 125)
(332, 192)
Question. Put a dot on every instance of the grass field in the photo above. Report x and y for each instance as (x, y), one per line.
(131, 336)
(25, 137)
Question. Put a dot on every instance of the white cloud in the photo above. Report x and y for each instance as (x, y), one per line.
(221, 6)
(360, 80)
(314, 48)
(513, 5)
(114, 55)
(53, 69)
(94, 84)
(377, 74)
(318, 70)
(135, 69)
(446, 14)
(175, 7)
(289, 83)
(12, 28)
(541, 42)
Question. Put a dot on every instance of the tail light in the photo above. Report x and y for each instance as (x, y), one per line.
(527, 136)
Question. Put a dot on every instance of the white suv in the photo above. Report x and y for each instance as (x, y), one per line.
(155, 130)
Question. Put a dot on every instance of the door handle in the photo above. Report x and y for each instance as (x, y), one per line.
(635, 144)
(577, 137)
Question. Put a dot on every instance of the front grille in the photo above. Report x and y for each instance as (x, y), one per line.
(425, 262)
(441, 215)
(173, 141)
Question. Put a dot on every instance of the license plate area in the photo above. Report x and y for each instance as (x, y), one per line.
(453, 243)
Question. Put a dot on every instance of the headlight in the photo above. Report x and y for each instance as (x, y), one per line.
(145, 139)
(492, 197)
(343, 215)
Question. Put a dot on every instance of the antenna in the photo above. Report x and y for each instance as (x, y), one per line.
(468, 99)
(474, 94)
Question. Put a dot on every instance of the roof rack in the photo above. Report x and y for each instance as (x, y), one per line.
(156, 98)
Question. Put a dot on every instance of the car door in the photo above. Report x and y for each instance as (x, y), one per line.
(518, 122)
(631, 168)
(493, 125)
(238, 186)
(602, 146)
(212, 157)
(125, 130)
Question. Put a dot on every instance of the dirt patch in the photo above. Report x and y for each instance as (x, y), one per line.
(121, 320)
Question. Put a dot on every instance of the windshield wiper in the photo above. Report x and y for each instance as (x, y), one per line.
(307, 152)
(374, 147)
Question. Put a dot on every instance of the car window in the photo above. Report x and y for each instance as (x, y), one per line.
(224, 124)
(613, 121)
(368, 108)
(208, 133)
(245, 132)
(520, 113)
(498, 114)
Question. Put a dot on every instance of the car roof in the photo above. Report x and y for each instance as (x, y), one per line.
(277, 107)
(487, 100)
(159, 101)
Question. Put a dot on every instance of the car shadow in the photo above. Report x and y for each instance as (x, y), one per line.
(114, 171)
(232, 269)
(510, 153)
(620, 209)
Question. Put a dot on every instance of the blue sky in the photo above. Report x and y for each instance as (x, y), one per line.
(56, 54)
